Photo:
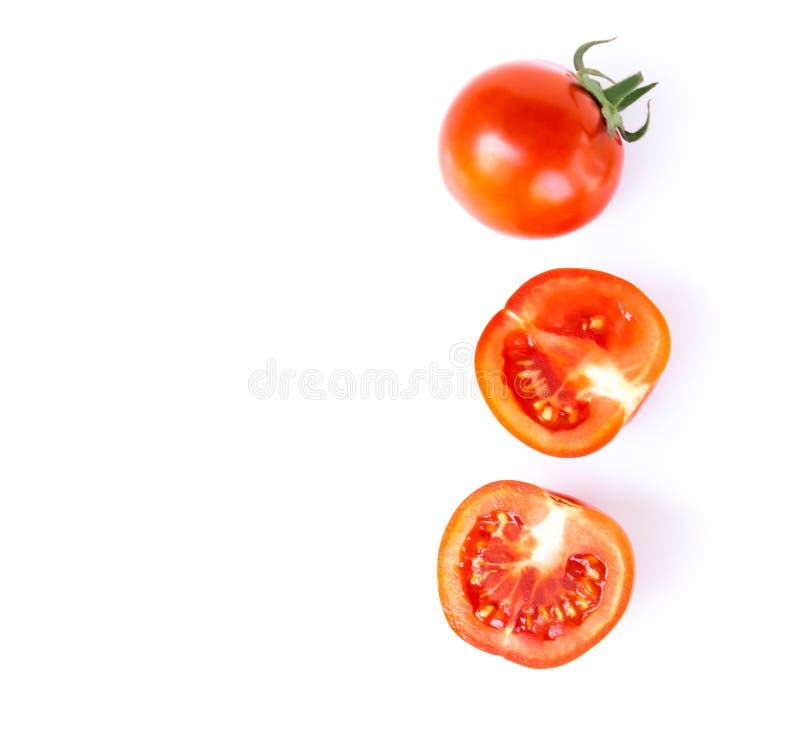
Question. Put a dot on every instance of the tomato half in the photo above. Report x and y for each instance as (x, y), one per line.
(526, 150)
(536, 577)
(570, 359)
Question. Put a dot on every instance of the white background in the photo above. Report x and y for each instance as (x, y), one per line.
(192, 189)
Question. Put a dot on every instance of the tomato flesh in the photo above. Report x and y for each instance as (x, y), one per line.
(533, 576)
(525, 149)
(541, 391)
(570, 359)
(506, 589)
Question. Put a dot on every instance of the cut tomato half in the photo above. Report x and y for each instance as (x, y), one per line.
(570, 359)
(535, 577)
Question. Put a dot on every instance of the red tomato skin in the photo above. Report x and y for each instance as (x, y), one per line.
(525, 150)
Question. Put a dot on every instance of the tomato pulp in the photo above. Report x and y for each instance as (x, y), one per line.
(570, 359)
(536, 577)
(525, 149)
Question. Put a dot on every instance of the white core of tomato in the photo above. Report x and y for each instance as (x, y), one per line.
(609, 382)
(547, 553)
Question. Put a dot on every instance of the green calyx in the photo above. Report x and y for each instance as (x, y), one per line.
(616, 97)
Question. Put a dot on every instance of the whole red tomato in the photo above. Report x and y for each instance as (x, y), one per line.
(532, 149)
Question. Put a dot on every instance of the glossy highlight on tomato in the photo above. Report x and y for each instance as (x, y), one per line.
(536, 577)
(570, 359)
(525, 149)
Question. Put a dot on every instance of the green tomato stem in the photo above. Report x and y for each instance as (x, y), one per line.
(615, 98)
